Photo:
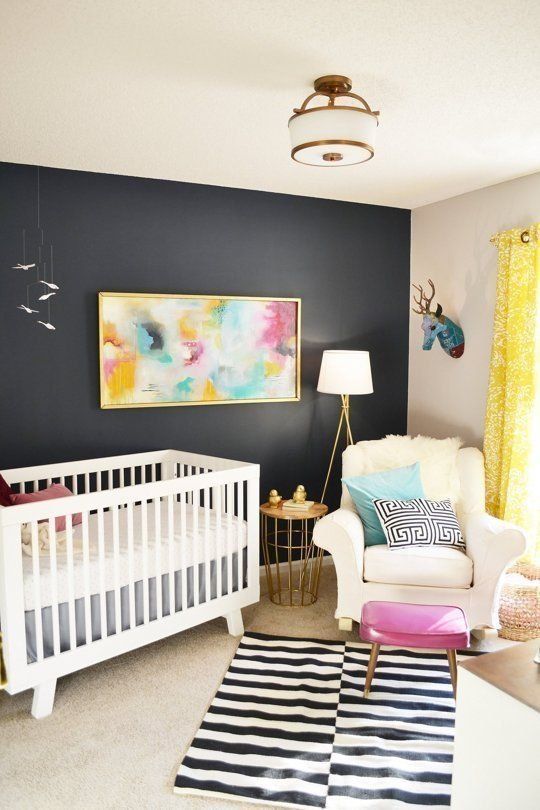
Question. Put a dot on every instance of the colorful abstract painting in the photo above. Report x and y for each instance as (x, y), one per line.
(177, 350)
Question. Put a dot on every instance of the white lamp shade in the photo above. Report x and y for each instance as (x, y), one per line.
(345, 372)
(332, 136)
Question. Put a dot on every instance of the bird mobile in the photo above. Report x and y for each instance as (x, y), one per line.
(42, 267)
(437, 325)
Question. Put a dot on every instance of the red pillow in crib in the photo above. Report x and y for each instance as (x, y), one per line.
(54, 491)
(5, 492)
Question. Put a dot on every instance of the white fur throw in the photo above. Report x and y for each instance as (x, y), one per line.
(437, 458)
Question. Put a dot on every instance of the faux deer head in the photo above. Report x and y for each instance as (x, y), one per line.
(435, 324)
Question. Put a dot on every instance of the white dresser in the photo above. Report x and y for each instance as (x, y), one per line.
(497, 738)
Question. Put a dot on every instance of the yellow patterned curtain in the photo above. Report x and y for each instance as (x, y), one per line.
(512, 435)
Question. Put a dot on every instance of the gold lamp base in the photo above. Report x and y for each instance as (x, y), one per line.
(343, 423)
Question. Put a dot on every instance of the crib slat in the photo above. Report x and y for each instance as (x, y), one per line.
(101, 564)
(131, 570)
(144, 536)
(170, 532)
(54, 585)
(207, 558)
(36, 486)
(87, 482)
(86, 578)
(196, 548)
(116, 567)
(230, 508)
(75, 484)
(219, 539)
(157, 551)
(71, 582)
(183, 560)
(180, 472)
(153, 472)
(239, 535)
(37, 591)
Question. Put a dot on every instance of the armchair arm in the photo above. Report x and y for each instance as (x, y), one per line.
(492, 545)
(342, 534)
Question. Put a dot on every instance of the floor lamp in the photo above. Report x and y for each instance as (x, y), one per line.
(345, 373)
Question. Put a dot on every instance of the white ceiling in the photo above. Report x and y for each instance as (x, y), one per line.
(201, 90)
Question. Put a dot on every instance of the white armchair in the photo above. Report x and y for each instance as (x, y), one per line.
(430, 575)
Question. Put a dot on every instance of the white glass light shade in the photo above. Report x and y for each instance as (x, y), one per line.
(332, 136)
(345, 372)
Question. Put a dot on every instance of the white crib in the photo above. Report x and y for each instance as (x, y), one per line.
(168, 540)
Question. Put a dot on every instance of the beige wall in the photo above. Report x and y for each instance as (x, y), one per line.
(450, 244)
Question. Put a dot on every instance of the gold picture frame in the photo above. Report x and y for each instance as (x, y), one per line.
(105, 399)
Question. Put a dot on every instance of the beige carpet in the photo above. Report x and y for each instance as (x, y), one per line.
(119, 730)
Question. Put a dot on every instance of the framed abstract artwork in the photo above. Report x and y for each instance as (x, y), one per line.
(164, 350)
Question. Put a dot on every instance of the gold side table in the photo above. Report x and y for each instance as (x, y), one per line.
(292, 561)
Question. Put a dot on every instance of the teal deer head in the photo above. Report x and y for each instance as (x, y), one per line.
(437, 325)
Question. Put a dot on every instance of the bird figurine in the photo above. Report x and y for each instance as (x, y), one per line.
(27, 309)
(274, 499)
(299, 494)
(23, 266)
(49, 284)
(45, 296)
(47, 325)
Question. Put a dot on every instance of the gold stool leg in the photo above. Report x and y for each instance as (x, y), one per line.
(371, 667)
(452, 663)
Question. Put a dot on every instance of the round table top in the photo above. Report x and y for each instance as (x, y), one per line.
(316, 511)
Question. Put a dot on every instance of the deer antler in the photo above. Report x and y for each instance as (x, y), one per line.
(424, 301)
(419, 302)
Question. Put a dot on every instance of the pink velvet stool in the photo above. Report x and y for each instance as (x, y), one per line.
(438, 627)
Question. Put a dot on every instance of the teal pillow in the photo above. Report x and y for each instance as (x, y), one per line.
(402, 483)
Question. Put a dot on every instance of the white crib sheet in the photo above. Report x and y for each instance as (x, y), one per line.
(189, 547)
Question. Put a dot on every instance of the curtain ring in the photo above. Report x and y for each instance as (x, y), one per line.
(525, 237)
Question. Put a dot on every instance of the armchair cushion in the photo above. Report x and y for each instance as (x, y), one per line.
(432, 566)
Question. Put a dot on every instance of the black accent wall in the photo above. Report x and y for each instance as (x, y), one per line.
(348, 263)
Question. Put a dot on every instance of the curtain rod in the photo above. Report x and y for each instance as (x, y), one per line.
(525, 237)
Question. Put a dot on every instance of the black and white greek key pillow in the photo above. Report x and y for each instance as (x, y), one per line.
(419, 522)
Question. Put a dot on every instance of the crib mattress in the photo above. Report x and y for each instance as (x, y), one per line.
(114, 624)
(205, 536)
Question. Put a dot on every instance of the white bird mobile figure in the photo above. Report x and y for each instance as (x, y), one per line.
(47, 325)
(49, 284)
(23, 266)
(45, 296)
(27, 309)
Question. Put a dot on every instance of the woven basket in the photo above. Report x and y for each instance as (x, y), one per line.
(519, 610)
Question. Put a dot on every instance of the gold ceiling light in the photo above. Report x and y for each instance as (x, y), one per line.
(335, 134)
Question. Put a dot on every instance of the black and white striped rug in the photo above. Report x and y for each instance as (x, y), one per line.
(289, 726)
